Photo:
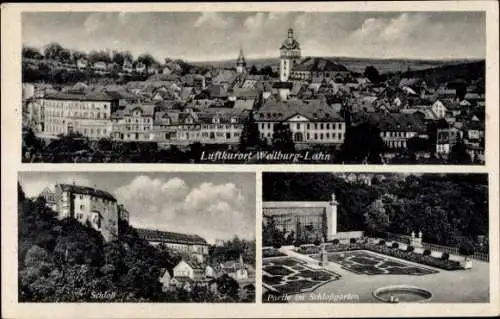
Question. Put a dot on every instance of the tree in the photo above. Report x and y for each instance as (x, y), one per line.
(99, 56)
(250, 136)
(362, 143)
(118, 58)
(53, 51)
(459, 155)
(282, 138)
(466, 248)
(253, 70)
(227, 287)
(31, 53)
(77, 55)
(147, 59)
(372, 74)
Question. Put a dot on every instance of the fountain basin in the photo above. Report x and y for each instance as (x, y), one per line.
(402, 293)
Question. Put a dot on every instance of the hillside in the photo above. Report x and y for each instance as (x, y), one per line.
(468, 72)
(353, 64)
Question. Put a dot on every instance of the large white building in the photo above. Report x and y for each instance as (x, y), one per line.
(311, 122)
(88, 114)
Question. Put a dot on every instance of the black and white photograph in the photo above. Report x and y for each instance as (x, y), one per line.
(136, 237)
(260, 87)
(375, 238)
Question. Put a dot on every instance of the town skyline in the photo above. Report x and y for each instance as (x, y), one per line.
(207, 204)
(393, 35)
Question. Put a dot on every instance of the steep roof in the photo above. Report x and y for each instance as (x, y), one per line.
(170, 237)
(398, 122)
(147, 109)
(91, 96)
(86, 191)
(314, 110)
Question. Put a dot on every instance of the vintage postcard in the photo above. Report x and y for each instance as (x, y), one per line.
(207, 160)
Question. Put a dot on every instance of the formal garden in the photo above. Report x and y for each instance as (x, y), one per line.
(290, 276)
(367, 263)
(426, 257)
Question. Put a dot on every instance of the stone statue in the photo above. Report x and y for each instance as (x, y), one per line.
(420, 234)
(412, 234)
(323, 255)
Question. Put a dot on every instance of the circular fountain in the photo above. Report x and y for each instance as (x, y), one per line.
(402, 293)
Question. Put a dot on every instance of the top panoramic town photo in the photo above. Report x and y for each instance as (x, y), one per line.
(254, 87)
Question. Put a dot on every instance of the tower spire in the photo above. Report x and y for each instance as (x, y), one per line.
(241, 63)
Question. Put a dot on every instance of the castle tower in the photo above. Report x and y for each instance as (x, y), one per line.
(290, 55)
(241, 63)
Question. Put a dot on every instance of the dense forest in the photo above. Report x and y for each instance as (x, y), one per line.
(447, 208)
(65, 261)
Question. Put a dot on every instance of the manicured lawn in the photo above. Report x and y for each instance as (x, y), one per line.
(291, 276)
(364, 262)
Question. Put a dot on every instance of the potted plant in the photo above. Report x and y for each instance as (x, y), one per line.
(466, 250)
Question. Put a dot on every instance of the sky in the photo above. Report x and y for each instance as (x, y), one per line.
(211, 36)
(212, 205)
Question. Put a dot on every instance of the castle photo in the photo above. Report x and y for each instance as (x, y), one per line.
(150, 223)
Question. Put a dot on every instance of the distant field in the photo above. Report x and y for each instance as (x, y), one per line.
(354, 64)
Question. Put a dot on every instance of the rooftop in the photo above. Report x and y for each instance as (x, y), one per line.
(91, 96)
(170, 237)
(314, 110)
(86, 191)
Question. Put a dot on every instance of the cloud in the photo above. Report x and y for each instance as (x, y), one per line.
(255, 22)
(210, 210)
(198, 36)
(208, 193)
(210, 19)
(150, 199)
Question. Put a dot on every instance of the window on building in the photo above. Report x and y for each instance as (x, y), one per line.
(315, 136)
(321, 126)
(315, 126)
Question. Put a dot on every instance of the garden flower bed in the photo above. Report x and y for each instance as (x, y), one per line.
(291, 276)
(385, 250)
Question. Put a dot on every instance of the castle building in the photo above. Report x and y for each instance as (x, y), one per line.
(85, 204)
(311, 220)
(241, 63)
(193, 245)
